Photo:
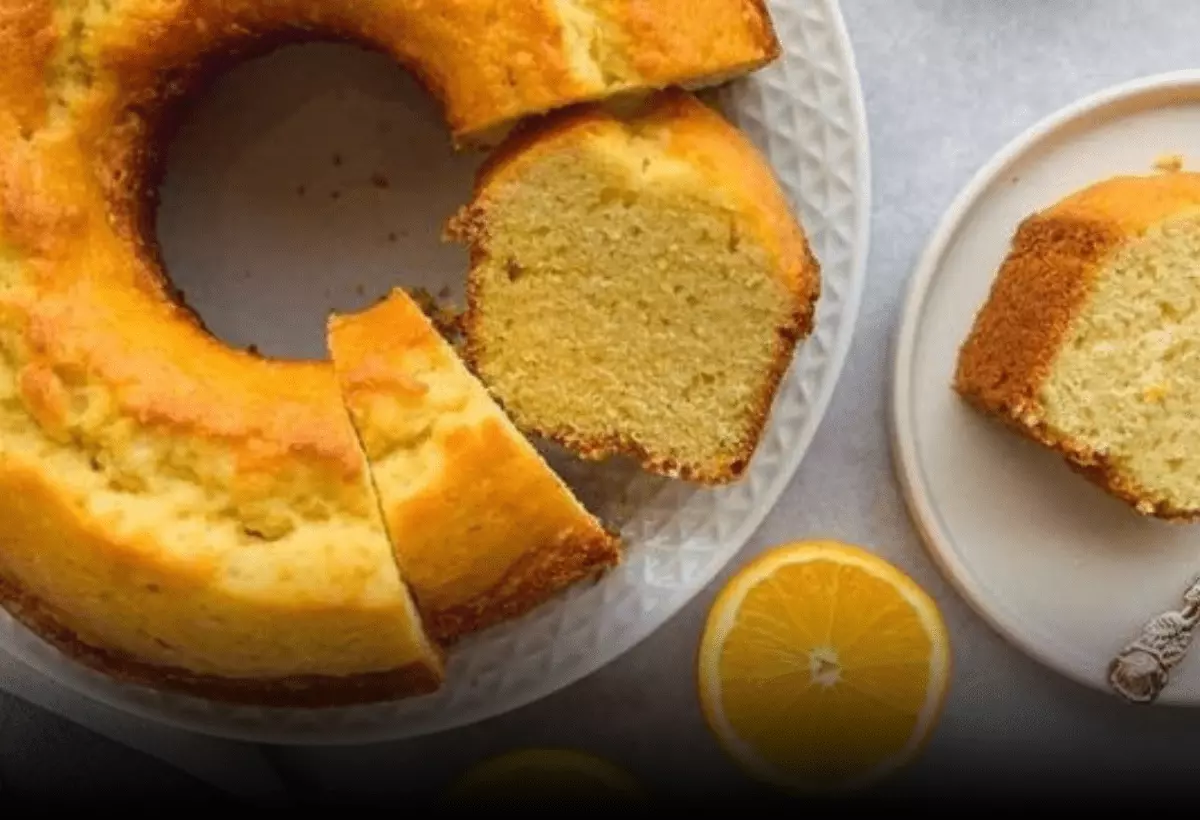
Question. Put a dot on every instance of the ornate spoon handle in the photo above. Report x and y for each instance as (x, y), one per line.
(1143, 668)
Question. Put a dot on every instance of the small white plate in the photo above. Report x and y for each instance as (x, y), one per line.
(1061, 570)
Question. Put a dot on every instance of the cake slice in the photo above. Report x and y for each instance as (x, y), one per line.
(483, 530)
(638, 285)
(1089, 342)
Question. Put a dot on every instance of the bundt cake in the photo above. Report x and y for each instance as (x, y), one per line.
(638, 284)
(185, 515)
(509, 533)
(1088, 341)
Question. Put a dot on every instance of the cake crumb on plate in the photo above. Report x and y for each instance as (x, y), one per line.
(1169, 163)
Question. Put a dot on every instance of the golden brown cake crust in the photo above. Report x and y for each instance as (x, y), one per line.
(1043, 283)
(692, 129)
(490, 62)
(672, 42)
(301, 691)
(528, 584)
(127, 595)
(1041, 287)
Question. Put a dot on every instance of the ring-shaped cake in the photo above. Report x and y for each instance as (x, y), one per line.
(184, 514)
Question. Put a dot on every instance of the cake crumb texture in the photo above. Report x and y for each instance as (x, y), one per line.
(1089, 341)
(639, 285)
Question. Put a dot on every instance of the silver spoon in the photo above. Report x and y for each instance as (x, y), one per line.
(1143, 669)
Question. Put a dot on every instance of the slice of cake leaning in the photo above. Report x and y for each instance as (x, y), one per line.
(483, 529)
(1089, 342)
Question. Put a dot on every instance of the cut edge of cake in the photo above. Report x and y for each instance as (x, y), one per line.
(799, 271)
(1037, 314)
(512, 535)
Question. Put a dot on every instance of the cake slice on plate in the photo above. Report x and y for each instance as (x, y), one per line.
(1089, 342)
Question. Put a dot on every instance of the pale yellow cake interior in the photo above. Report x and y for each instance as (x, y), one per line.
(622, 295)
(591, 43)
(1127, 380)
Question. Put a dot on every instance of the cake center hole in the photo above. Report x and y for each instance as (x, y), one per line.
(316, 178)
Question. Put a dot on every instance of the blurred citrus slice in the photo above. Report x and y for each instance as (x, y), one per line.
(545, 776)
(823, 667)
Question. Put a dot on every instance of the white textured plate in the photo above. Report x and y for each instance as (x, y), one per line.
(320, 178)
(1064, 572)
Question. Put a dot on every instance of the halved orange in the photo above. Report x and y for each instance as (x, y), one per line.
(823, 667)
(545, 776)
